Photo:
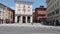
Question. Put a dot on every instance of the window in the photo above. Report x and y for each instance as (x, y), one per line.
(3, 12)
(58, 3)
(28, 10)
(11, 16)
(53, 13)
(57, 11)
(28, 6)
(18, 9)
(6, 14)
(47, 14)
(24, 10)
(24, 6)
(0, 11)
(41, 14)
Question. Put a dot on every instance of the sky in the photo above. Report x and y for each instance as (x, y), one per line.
(36, 3)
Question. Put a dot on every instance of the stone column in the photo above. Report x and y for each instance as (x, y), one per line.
(15, 19)
(26, 19)
(31, 19)
(21, 18)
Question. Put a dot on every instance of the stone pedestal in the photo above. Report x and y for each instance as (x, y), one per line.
(26, 19)
(31, 19)
(15, 19)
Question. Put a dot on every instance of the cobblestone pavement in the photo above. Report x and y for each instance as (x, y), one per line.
(27, 30)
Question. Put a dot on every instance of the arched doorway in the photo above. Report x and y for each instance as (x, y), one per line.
(28, 19)
(57, 23)
(18, 19)
(24, 19)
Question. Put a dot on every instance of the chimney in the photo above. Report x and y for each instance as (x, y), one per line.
(41, 6)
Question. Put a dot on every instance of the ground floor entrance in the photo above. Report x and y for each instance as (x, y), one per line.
(23, 19)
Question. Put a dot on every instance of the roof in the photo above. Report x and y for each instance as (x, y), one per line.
(41, 8)
(2, 4)
(23, 1)
(5, 6)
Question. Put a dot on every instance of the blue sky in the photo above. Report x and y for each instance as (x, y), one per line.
(36, 3)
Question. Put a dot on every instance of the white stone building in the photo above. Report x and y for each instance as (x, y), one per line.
(23, 12)
(53, 10)
(3, 13)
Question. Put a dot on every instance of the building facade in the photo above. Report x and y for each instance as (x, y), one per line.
(33, 15)
(40, 14)
(6, 14)
(11, 15)
(53, 11)
(23, 12)
(3, 13)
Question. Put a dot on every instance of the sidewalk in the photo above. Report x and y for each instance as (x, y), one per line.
(30, 25)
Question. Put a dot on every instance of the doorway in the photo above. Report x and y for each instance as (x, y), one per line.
(24, 19)
(28, 19)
